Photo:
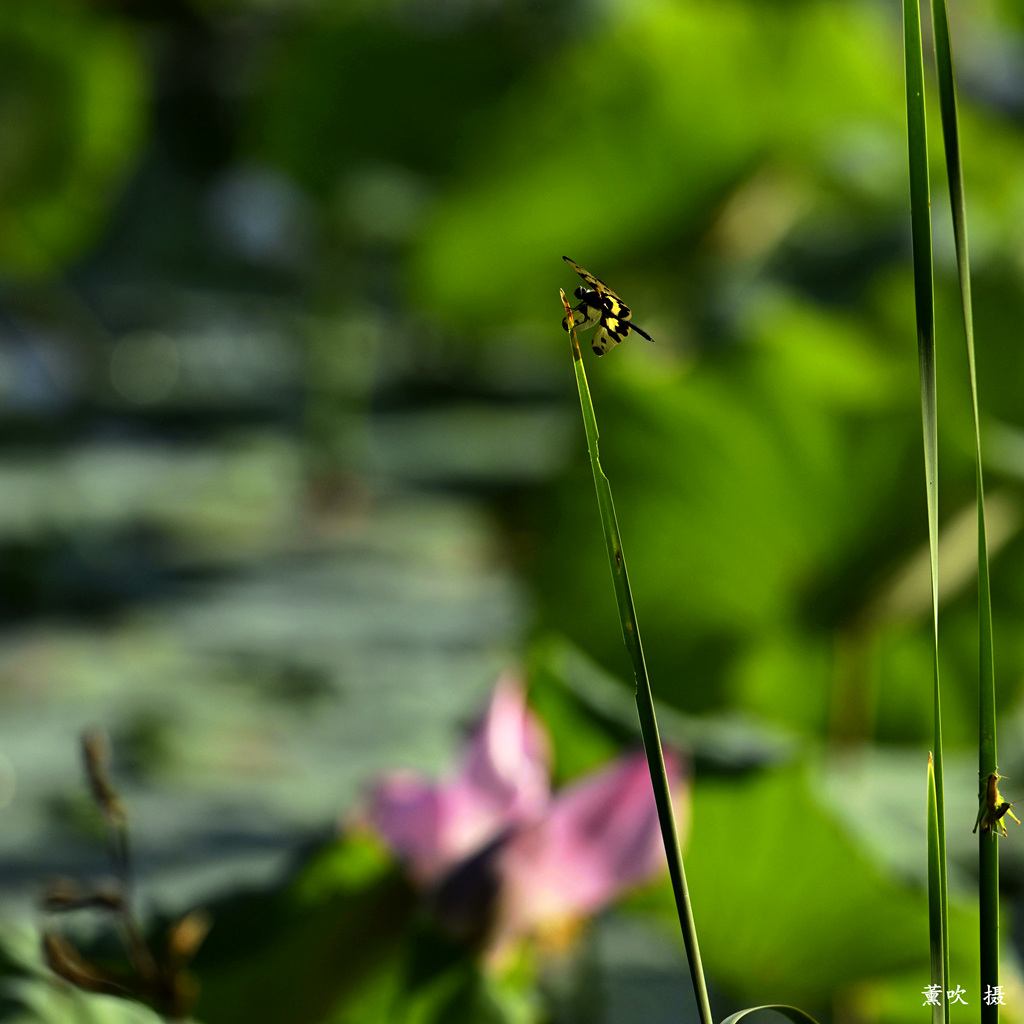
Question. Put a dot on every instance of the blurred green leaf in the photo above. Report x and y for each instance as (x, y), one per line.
(591, 715)
(442, 983)
(345, 91)
(31, 994)
(295, 954)
(699, 92)
(773, 867)
(73, 92)
(582, 742)
(749, 494)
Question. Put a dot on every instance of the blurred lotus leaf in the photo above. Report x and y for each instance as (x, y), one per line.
(771, 868)
(589, 163)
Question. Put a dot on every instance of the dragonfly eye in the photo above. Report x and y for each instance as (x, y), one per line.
(581, 292)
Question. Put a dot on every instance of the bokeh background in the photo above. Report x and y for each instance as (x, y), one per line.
(291, 464)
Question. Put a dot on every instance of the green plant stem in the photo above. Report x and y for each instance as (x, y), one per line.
(644, 699)
(988, 851)
(935, 917)
(920, 219)
(988, 907)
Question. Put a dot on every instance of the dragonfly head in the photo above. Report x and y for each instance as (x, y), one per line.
(581, 292)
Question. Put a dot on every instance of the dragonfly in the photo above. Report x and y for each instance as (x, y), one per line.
(602, 306)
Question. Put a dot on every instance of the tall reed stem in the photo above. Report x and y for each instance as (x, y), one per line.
(644, 699)
(988, 851)
(921, 232)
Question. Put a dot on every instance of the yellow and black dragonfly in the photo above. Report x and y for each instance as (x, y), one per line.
(601, 305)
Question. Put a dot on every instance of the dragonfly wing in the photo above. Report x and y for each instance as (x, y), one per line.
(605, 340)
(584, 316)
(615, 308)
(598, 285)
(616, 325)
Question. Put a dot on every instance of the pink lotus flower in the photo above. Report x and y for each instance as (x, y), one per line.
(554, 858)
(502, 782)
(600, 837)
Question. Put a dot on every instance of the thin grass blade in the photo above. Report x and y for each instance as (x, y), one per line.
(644, 699)
(795, 1014)
(988, 852)
(935, 914)
(921, 231)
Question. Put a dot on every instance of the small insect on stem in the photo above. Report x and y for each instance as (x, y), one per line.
(993, 808)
